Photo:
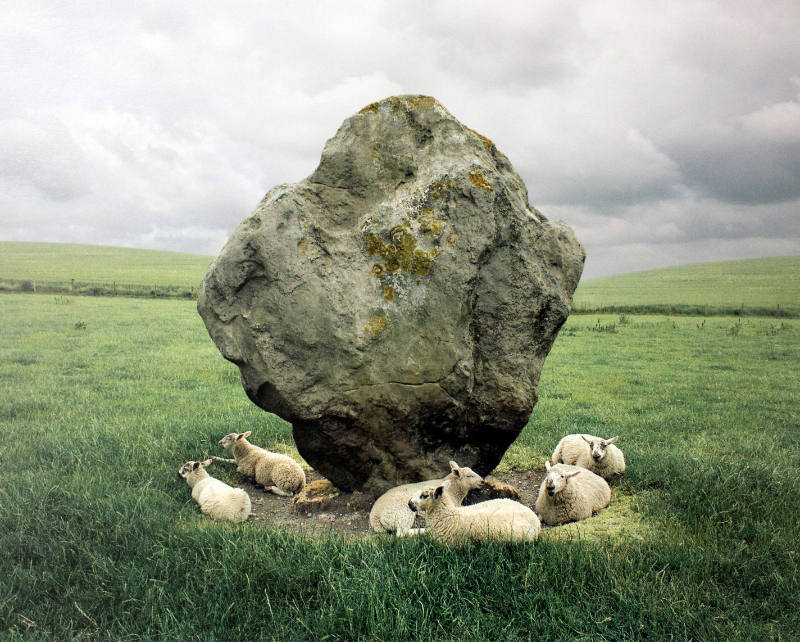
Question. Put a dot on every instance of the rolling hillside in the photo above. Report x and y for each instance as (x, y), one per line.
(768, 286)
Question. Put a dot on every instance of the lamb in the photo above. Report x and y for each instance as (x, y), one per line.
(215, 497)
(390, 512)
(448, 523)
(593, 453)
(279, 474)
(570, 493)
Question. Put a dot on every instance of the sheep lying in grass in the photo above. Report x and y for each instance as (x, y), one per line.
(599, 455)
(277, 473)
(216, 498)
(570, 493)
(493, 519)
(390, 512)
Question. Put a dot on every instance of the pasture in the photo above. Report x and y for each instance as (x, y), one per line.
(102, 399)
(746, 287)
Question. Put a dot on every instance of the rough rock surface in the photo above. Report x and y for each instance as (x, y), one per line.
(397, 305)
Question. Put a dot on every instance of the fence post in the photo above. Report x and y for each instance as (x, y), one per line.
(72, 285)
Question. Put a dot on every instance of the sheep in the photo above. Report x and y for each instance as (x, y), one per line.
(216, 498)
(279, 474)
(448, 523)
(390, 512)
(593, 453)
(570, 493)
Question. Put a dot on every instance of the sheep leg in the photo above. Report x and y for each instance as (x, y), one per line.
(223, 460)
(278, 491)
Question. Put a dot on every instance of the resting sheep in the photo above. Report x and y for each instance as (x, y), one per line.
(216, 498)
(593, 453)
(390, 512)
(494, 519)
(277, 473)
(570, 493)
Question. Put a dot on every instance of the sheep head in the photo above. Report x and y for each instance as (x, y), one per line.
(192, 467)
(598, 446)
(424, 499)
(228, 440)
(556, 480)
(467, 477)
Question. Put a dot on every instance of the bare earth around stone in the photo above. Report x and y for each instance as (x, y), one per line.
(348, 514)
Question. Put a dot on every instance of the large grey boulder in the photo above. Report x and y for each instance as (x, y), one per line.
(397, 305)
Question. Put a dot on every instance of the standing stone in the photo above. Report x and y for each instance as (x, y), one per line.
(397, 305)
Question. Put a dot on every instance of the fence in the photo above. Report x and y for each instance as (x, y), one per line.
(88, 288)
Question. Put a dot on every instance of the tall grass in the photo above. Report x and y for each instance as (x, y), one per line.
(101, 400)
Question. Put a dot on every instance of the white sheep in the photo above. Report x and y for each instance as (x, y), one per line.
(215, 497)
(593, 453)
(503, 519)
(390, 512)
(570, 493)
(277, 473)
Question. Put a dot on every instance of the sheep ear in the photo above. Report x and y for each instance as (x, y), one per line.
(244, 435)
(195, 465)
(572, 474)
(438, 492)
(588, 441)
(547, 465)
(607, 442)
(453, 465)
(207, 462)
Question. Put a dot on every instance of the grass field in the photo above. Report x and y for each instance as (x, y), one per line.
(750, 286)
(97, 269)
(102, 399)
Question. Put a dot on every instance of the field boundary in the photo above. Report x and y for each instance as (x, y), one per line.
(690, 310)
(89, 288)
(149, 290)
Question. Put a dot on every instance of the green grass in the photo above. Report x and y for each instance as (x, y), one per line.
(102, 399)
(95, 269)
(751, 286)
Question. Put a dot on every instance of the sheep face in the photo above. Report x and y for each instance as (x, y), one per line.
(556, 480)
(228, 440)
(598, 447)
(468, 477)
(423, 499)
(191, 467)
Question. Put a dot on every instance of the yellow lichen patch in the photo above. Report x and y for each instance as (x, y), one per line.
(376, 326)
(371, 108)
(428, 225)
(388, 292)
(401, 253)
(486, 142)
(377, 270)
(437, 188)
(452, 239)
(303, 245)
(477, 179)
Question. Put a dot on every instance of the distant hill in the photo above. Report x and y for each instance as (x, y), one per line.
(97, 269)
(98, 263)
(748, 286)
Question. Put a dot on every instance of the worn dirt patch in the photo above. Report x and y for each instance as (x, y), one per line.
(348, 514)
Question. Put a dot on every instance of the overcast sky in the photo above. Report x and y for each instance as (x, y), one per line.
(662, 132)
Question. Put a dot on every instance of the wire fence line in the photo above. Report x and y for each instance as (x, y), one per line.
(127, 289)
(106, 288)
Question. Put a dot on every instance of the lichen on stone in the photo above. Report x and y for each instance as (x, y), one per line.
(400, 254)
(376, 326)
(477, 179)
